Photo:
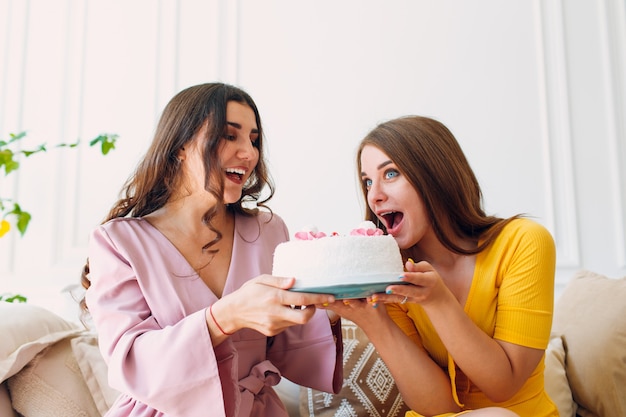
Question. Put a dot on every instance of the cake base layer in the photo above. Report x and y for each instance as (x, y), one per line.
(356, 290)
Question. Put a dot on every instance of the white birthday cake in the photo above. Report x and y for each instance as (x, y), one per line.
(354, 265)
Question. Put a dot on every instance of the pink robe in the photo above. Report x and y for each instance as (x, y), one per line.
(148, 306)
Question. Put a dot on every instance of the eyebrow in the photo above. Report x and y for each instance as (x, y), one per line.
(380, 166)
(238, 126)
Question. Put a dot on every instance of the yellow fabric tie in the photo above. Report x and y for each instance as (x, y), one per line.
(452, 373)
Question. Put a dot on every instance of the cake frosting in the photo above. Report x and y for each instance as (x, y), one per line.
(363, 257)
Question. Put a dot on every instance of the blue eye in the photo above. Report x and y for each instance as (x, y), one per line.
(392, 173)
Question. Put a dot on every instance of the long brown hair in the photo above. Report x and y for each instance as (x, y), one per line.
(427, 153)
(157, 175)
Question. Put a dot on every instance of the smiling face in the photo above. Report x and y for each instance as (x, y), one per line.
(238, 152)
(392, 198)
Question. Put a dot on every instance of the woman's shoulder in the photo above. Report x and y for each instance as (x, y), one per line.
(124, 226)
(263, 222)
(524, 229)
(120, 223)
(525, 225)
(267, 216)
(261, 216)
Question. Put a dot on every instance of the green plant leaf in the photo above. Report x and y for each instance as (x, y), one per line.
(106, 141)
(7, 161)
(13, 298)
(41, 148)
(16, 136)
(68, 145)
(23, 219)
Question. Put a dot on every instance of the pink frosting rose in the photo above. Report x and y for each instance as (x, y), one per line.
(366, 228)
(309, 235)
(366, 232)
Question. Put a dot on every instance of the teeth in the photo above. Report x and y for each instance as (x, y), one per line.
(235, 171)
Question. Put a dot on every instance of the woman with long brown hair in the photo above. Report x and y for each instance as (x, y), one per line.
(188, 319)
(468, 335)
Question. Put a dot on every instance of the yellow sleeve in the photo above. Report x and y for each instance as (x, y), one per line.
(526, 293)
(399, 315)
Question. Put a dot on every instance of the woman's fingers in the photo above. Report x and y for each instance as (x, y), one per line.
(293, 298)
(306, 299)
(393, 294)
(350, 309)
(273, 281)
(266, 304)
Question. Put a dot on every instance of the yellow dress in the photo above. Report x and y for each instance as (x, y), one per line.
(511, 299)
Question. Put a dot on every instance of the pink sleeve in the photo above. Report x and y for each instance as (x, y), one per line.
(311, 355)
(155, 364)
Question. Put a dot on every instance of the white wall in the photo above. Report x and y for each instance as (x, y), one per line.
(535, 91)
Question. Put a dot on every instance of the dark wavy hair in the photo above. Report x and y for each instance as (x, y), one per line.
(157, 175)
(427, 153)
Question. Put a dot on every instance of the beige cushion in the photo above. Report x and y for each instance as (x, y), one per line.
(368, 387)
(591, 317)
(51, 385)
(27, 330)
(556, 383)
(94, 370)
(6, 409)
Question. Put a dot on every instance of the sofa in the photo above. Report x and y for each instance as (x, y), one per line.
(51, 367)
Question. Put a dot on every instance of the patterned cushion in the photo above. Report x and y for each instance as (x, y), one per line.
(368, 387)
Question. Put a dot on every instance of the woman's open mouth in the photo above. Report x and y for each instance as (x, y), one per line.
(392, 220)
(235, 175)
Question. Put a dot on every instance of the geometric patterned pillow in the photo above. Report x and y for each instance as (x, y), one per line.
(368, 388)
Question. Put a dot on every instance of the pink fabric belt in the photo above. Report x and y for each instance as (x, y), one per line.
(254, 398)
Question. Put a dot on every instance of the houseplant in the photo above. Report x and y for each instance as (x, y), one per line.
(11, 154)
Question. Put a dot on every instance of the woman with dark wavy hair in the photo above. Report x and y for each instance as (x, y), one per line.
(189, 320)
(468, 336)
